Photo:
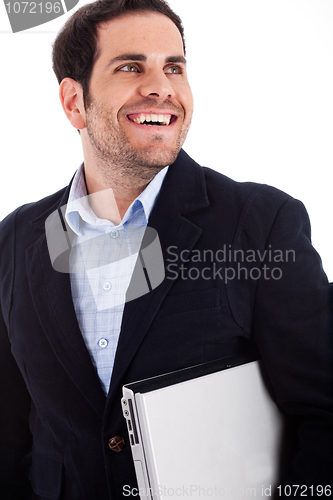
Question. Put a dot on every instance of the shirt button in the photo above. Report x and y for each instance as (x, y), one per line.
(114, 234)
(107, 286)
(103, 343)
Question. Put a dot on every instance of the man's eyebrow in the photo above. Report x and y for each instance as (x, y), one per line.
(143, 58)
(128, 57)
(176, 59)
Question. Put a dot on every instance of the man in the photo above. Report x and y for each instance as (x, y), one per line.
(239, 271)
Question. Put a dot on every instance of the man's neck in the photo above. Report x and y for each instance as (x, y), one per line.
(110, 196)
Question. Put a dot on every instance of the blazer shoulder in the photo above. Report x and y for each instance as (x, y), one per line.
(16, 232)
(247, 204)
(241, 192)
(23, 215)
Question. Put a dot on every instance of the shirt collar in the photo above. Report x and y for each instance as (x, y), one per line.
(78, 210)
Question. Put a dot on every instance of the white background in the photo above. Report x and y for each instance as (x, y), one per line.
(262, 76)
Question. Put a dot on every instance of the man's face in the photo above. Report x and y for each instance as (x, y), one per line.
(140, 103)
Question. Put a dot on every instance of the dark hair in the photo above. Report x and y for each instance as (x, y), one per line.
(75, 48)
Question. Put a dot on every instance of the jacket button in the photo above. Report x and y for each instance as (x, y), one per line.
(117, 443)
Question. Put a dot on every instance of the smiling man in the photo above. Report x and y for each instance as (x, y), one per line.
(136, 113)
(76, 325)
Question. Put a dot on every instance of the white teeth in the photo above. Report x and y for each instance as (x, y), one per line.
(164, 119)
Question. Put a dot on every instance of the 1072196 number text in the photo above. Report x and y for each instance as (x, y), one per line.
(33, 7)
(305, 491)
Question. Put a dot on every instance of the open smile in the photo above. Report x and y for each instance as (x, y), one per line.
(152, 119)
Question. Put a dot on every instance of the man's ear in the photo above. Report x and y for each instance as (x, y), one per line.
(71, 97)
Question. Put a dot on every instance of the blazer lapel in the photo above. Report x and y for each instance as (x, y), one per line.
(51, 294)
(184, 179)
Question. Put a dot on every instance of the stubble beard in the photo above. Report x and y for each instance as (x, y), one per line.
(117, 157)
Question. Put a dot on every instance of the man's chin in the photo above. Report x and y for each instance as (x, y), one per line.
(158, 157)
(145, 165)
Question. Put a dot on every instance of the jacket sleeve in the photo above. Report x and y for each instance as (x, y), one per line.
(284, 306)
(292, 327)
(15, 436)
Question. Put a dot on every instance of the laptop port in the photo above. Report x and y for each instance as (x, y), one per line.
(129, 425)
(132, 439)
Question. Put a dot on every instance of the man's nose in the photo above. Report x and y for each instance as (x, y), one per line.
(156, 84)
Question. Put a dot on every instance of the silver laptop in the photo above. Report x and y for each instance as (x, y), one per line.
(212, 430)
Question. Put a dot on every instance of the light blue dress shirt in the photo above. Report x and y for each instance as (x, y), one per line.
(102, 261)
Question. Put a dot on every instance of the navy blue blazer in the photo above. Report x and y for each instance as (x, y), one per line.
(55, 421)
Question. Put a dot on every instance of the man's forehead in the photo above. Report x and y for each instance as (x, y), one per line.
(140, 33)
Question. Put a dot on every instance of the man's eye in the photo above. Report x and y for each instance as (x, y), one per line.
(174, 70)
(131, 68)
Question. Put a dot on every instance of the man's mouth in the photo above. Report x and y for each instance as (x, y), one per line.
(162, 120)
